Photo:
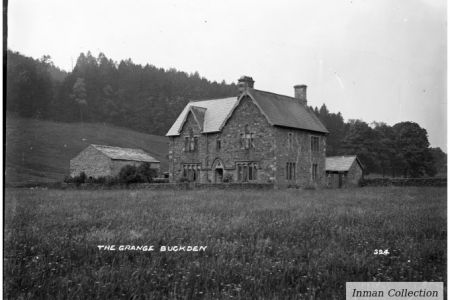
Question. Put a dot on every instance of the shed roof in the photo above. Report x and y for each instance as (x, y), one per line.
(125, 153)
(279, 110)
(340, 163)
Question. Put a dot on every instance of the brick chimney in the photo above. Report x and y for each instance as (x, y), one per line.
(244, 83)
(300, 93)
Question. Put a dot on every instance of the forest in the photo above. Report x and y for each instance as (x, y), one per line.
(148, 99)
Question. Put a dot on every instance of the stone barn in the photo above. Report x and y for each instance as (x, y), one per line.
(100, 161)
(256, 136)
(343, 171)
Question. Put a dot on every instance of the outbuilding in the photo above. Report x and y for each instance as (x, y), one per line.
(101, 161)
(343, 171)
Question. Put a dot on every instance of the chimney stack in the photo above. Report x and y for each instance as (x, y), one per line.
(300, 93)
(244, 83)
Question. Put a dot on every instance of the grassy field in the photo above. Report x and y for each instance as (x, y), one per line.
(289, 244)
(40, 151)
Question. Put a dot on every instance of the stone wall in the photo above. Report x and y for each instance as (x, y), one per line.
(298, 150)
(162, 186)
(271, 151)
(246, 113)
(438, 182)
(95, 164)
(92, 162)
(354, 175)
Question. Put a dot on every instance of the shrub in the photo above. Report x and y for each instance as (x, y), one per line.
(141, 174)
(183, 179)
(81, 178)
(310, 187)
(228, 178)
(128, 174)
(68, 179)
(146, 173)
(109, 180)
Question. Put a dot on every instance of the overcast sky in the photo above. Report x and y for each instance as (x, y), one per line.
(375, 60)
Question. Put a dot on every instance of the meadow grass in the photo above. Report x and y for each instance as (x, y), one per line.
(288, 244)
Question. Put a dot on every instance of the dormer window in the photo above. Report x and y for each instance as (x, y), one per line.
(246, 139)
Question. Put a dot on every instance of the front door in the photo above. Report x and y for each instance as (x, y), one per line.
(218, 176)
(340, 180)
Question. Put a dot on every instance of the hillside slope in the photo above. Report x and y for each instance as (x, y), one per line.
(40, 151)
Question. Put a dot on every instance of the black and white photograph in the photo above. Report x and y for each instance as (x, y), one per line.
(174, 149)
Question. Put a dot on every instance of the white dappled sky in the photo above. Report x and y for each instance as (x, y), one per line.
(375, 60)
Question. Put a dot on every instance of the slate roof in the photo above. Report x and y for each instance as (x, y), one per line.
(125, 153)
(216, 113)
(340, 163)
(279, 110)
(199, 114)
(287, 111)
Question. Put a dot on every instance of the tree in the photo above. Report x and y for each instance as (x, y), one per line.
(384, 147)
(413, 157)
(336, 127)
(440, 161)
(359, 140)
(79, 95)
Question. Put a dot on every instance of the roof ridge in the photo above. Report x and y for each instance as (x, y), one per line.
(108, 146)
(292, 98)
(195, 101)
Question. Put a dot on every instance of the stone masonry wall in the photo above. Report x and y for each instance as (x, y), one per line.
(300, 153)
(246, 113)
(177, 155)
(271, 150)
(92, 162)
(354, 175)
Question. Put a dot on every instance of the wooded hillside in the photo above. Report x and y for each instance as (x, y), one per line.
(148, 99)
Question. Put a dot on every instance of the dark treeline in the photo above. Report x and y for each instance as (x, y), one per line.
(399, 150)
(148, 99)
(143, 98)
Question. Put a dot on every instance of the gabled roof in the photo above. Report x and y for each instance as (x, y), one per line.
(125, 153)
(216, 113)
(199, 115)
(287, 111)
(279, 110)
(340, 163)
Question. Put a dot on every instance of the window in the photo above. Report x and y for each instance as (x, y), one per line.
(315, 144)
(195, 143)
(191, 171)
(314, 172)
(190, 142)
(247, 171)
(290, 171)
(186, 143)
(290, 141)
(246, 139)
(218, 144)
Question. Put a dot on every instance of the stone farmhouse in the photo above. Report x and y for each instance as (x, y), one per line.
(101, 161)
(256, 137)
(343, 171)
